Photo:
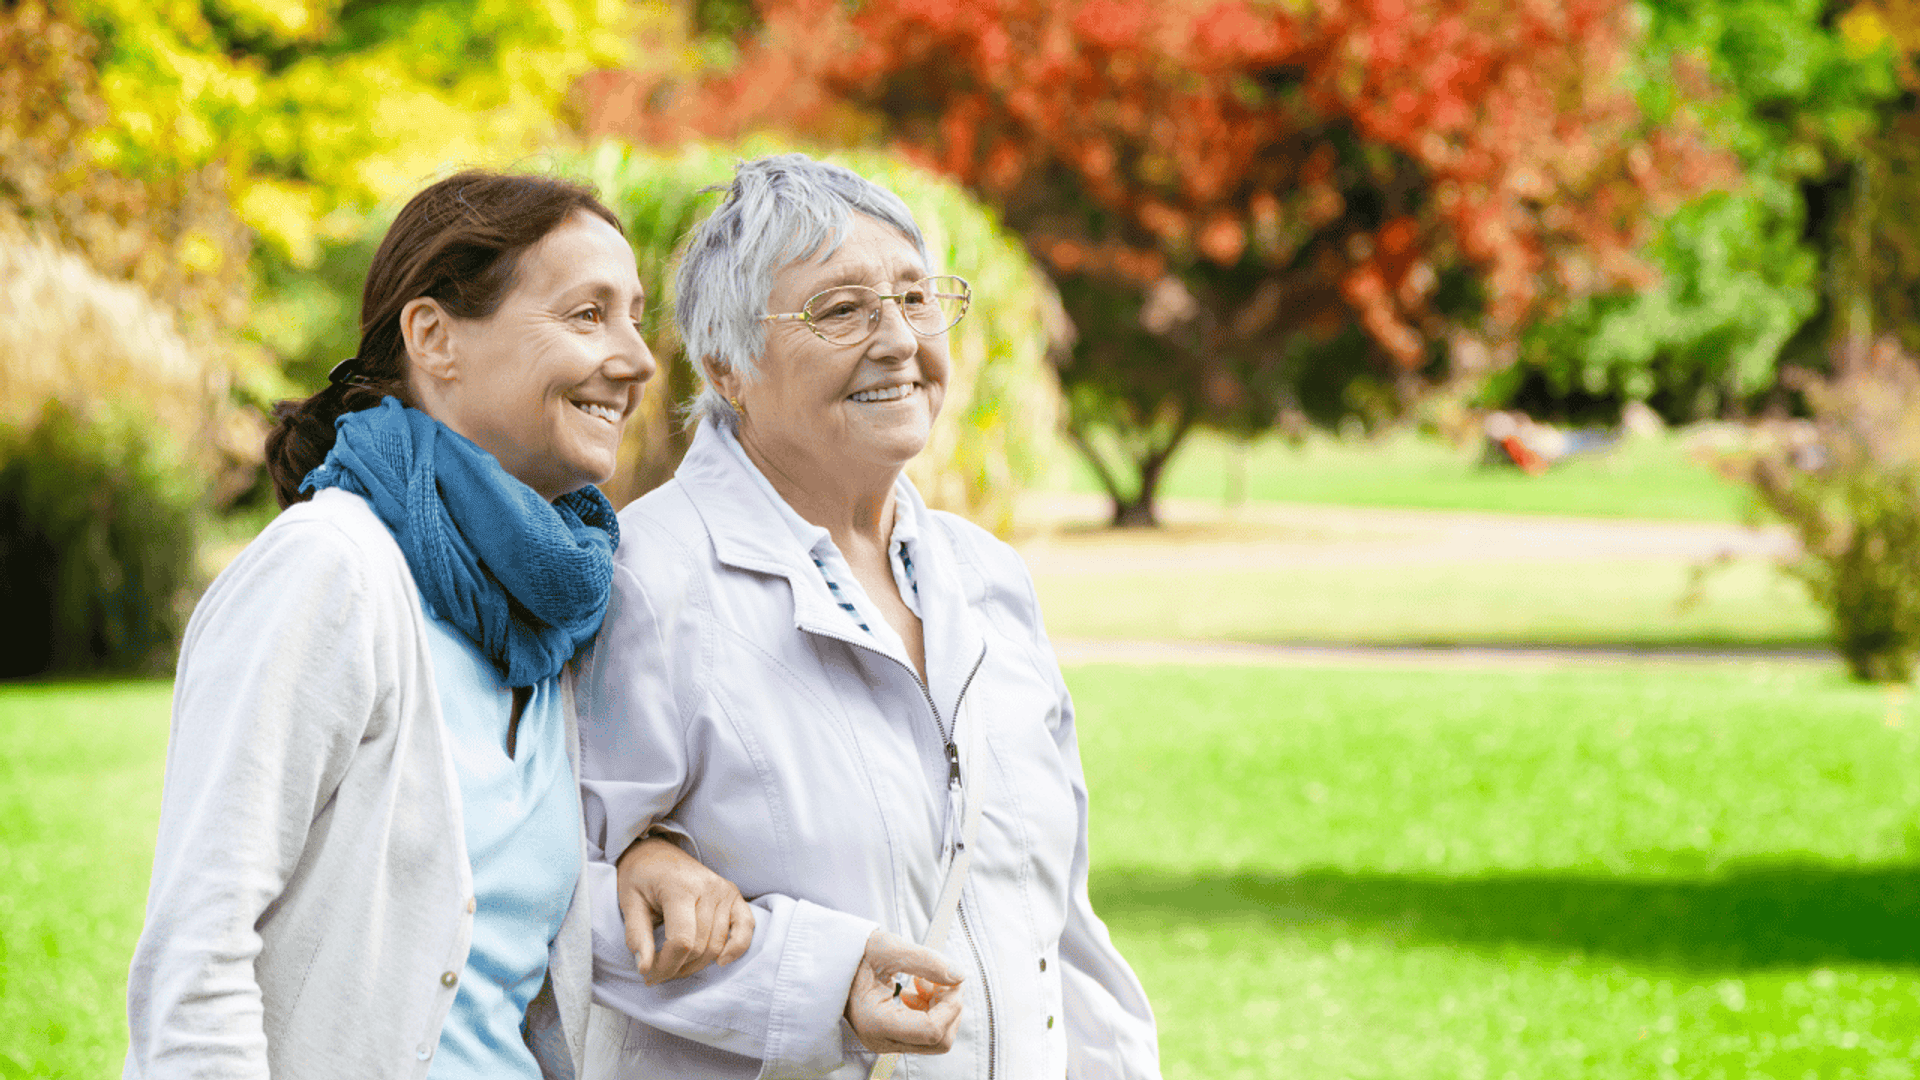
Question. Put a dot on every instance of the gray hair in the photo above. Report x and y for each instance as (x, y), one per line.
(777, 211)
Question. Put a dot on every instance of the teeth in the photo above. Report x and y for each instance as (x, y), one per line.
(611, 416)
(889, 393)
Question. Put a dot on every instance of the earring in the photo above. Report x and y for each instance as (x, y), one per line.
(737, 407)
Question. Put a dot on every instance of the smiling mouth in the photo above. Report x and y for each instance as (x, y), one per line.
(885, 393)
(603, 412)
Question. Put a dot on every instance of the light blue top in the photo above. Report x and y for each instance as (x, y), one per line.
(521, 817)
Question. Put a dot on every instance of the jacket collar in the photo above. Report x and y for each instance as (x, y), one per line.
(750, 534)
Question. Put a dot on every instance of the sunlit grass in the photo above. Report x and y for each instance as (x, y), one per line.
(1648, 478)
(1627, 871)
(1624, 872)
(79, 799)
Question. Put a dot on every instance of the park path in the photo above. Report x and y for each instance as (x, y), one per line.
(1064, 538)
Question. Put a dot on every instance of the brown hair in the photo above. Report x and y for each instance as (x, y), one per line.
(458, 242)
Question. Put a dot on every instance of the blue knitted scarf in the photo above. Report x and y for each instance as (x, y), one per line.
(526, 580)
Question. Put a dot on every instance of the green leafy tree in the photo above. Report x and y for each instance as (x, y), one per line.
(1744, 275)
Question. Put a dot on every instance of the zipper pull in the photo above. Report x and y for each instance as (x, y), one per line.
(951, 843)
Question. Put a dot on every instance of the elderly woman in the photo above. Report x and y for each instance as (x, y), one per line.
(371, 850)
(845, 701)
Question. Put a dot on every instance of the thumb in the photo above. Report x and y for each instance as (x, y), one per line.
(923, 962)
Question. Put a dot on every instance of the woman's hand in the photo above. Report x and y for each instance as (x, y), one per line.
(707, 921)
(923, 1017)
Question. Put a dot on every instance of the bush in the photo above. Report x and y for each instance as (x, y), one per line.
(1849, 485)
(98, 531)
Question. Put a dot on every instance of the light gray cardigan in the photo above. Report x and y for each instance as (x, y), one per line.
(311, 911)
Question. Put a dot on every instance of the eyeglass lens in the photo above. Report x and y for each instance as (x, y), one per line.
(848, 313)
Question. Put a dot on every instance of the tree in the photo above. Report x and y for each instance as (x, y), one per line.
(1254, 208)
(319, 109)
(1746, 276)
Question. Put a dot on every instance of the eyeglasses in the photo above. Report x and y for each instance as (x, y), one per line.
(849, 314)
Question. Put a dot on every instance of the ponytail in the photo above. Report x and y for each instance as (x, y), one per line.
(303, 430)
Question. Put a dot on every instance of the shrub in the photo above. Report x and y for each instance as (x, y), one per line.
(114, 431)
(98, 528)
(1849, 485)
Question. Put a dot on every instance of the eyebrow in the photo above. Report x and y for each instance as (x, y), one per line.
(598, 290)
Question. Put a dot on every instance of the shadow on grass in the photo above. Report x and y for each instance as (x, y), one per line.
(1750, 916)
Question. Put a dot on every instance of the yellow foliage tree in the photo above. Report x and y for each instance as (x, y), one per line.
(319, 109)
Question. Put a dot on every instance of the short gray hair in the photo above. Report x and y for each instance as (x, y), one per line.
(777, 211)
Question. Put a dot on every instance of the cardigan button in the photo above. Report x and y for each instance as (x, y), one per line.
(1049, 1023)
(448, 978)
(1043, 963)
(423, 1052)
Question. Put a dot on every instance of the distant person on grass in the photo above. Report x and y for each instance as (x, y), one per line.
(845, 700)
(371, 853)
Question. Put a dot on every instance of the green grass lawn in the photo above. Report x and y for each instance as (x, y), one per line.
(1627, 872)
(79, 799)
(1650, 478)
(1635, 604)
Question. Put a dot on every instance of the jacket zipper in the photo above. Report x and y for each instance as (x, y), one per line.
(986, 989)
(953, 783)
(960, 906)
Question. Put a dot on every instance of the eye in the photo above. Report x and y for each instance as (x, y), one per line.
(591, 315)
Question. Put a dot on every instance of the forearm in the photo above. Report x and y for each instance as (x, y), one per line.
(781, 1002)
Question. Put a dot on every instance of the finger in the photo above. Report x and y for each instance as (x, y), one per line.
(682, 923)
(699, 932)
(926, 1033)
(945, 1015)
(924, 1030)
(739, 932)
(639, 917)
(719, 922)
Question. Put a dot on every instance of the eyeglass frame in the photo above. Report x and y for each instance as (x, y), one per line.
(966, 305)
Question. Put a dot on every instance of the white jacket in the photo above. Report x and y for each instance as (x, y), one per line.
(309, 913)
(728, 693)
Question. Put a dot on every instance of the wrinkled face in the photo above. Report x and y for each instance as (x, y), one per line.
(546, 382)
(820, 411)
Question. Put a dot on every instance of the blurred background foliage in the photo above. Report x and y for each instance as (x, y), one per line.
(1253, 217)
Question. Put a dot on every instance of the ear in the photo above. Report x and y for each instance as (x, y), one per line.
(721, 376)
(427, 330)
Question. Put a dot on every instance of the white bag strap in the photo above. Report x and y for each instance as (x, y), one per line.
(949, 902)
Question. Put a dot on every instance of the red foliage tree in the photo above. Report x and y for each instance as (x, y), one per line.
(1252, 207)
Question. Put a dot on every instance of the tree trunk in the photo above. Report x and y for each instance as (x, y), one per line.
(1138, 510)
(1142, 511)
(1135, 514)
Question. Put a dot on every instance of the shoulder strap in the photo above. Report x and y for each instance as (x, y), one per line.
(949, 902)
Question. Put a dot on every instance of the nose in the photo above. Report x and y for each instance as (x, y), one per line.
(630, 360)
(893, 339)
